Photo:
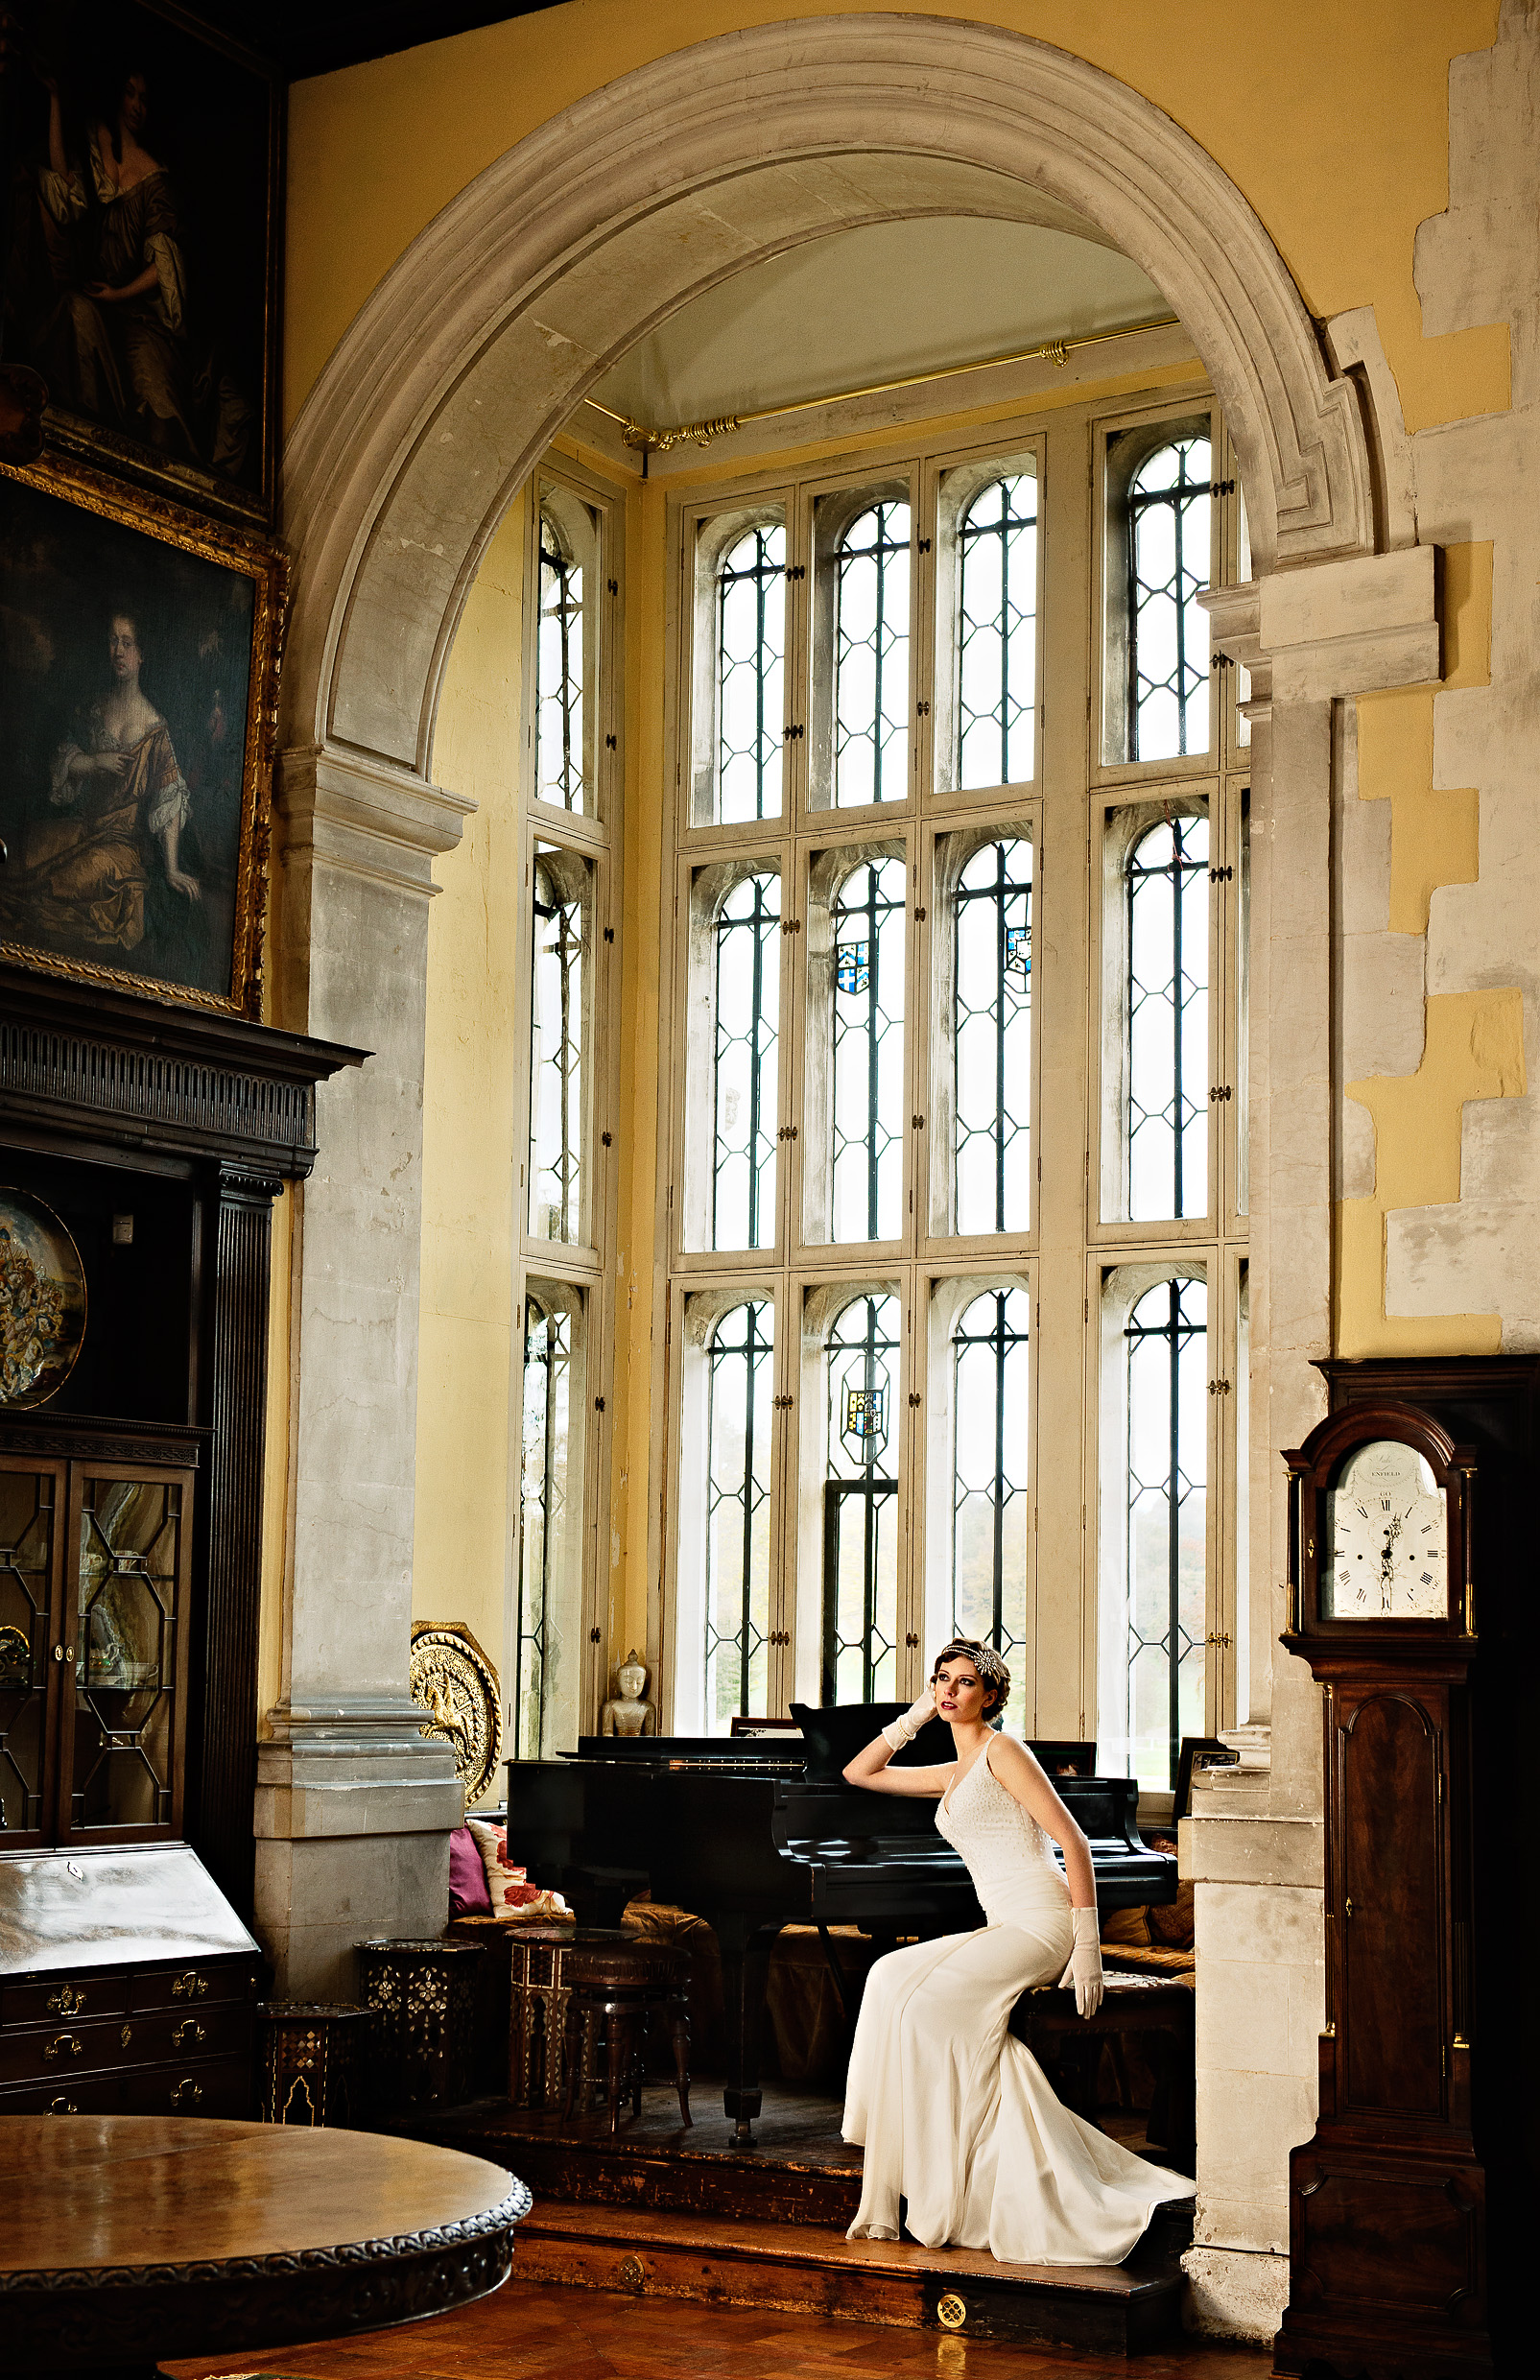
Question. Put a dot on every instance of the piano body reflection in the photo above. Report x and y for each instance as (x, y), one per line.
(732, 1829)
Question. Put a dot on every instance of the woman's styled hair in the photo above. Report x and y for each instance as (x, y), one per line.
(993, 1675)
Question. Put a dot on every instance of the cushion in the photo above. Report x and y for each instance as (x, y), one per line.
(509, 1889)
(468, 1897)
(833, 1736)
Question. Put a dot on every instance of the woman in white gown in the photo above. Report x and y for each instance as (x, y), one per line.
(955, 2114)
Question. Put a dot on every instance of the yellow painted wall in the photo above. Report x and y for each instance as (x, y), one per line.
(1331, 120)
(464, 1483)
(1334, 124)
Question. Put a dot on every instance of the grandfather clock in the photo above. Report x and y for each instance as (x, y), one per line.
(1387, 2201)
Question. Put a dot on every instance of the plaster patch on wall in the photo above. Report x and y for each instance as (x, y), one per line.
(1473, 1050)
(1433, 832)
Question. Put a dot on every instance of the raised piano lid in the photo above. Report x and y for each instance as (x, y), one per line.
(121, 1906)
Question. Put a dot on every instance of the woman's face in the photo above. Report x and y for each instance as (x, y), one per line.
(123, 653)
(960, 1693)
(135, 106)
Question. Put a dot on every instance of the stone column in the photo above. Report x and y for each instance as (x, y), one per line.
(354, 1805)
(1252, 1848)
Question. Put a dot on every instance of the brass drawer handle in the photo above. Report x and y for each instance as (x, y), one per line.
(189, 2030)
(66, 2001)
(62, 2107)
(189, 1987)
(186, 2093)
(63, 2041)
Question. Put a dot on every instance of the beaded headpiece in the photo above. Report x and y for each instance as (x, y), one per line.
(991, 1669)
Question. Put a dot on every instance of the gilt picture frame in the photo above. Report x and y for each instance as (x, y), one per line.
(144, 233)
(138, 683)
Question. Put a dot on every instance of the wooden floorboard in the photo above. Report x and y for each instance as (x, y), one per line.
(527, 2332)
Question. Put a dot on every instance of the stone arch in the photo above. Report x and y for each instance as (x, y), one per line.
(475, 348)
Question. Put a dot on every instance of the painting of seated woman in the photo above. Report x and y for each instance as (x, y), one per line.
(131, 665)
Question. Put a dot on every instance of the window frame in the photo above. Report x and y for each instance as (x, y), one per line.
(1067, 1238)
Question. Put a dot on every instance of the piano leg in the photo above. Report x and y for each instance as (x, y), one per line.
(745, 1955)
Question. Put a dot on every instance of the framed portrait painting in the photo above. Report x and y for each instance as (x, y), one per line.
(138, 671)
(144, 226)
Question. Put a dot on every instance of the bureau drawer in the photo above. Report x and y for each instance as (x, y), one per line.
(86, 2045)
(192, 1987)
(223, 2087)
(60, 1999)
(221, 2030)
(85, 2094)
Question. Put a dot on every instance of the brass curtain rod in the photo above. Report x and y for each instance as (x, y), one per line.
(1055, 351)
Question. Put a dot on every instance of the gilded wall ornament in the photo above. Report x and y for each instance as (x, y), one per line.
(458, 1688)
(42, 1302)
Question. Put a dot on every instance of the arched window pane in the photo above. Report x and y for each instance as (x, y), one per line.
(743, 1176)
(860, 1505)
(868, 1147)
(750, 681)
(871, 660)
(997, 633)
(557, 1023)
(991, 1039)
(1166, 1353)
(558, 676)
(542, 1507)
(737, 1514)
(1167, 1127)
(990, 1387)
(1167, 629)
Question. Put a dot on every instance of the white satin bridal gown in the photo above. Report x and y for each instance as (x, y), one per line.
(955, 2114)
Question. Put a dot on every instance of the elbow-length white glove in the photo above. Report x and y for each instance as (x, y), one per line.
(1084, 1969)
(904, 1729)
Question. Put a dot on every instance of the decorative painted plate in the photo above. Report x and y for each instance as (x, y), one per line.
(458, 1687)
(42, 1301)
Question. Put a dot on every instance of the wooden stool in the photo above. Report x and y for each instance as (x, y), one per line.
(615, 1982)
(422, 1998)
(1048, 2022)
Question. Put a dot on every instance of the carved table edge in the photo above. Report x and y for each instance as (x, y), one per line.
(282, 2263)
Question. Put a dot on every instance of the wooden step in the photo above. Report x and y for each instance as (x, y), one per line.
(805, 2267)
(802, 2172)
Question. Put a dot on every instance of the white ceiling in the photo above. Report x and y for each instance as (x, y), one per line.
(874, 304)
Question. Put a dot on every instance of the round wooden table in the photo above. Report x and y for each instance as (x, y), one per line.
(132, 2239)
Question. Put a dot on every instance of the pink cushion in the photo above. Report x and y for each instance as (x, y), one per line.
(468, 1897)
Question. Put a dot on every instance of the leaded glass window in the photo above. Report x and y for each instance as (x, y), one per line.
(991, 1038)
(990, 1485)
(557, 1037)
(1167, 1127)
(1168, 555)
(744, 1074)
(860, 1505)
(750, 676)
(559, 675)
(997, 633)
(866, 1143)
(871, 659)
(1166, 1360)
(738, 1512)
(542, 1513)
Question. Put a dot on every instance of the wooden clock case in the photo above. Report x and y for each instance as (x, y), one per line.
(1405, 2221)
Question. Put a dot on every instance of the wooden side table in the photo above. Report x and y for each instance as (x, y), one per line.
(422, 1997)
(568, 1985)
(311, 2061)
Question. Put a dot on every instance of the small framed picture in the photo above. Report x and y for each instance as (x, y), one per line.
(138, 671)
(1199, 1754)
(144, 222)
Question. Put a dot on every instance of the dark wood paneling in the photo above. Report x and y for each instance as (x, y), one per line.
(1390, 1936)
(225, 1744)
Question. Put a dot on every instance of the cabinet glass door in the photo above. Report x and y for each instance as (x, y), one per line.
(31, 1501)
(123, 1763)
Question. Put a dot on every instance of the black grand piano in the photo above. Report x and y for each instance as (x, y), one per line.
(753, 1833)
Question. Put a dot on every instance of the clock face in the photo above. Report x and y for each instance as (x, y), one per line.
(1386, 1550)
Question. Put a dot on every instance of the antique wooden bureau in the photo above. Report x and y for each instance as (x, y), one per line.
(128, 1985)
